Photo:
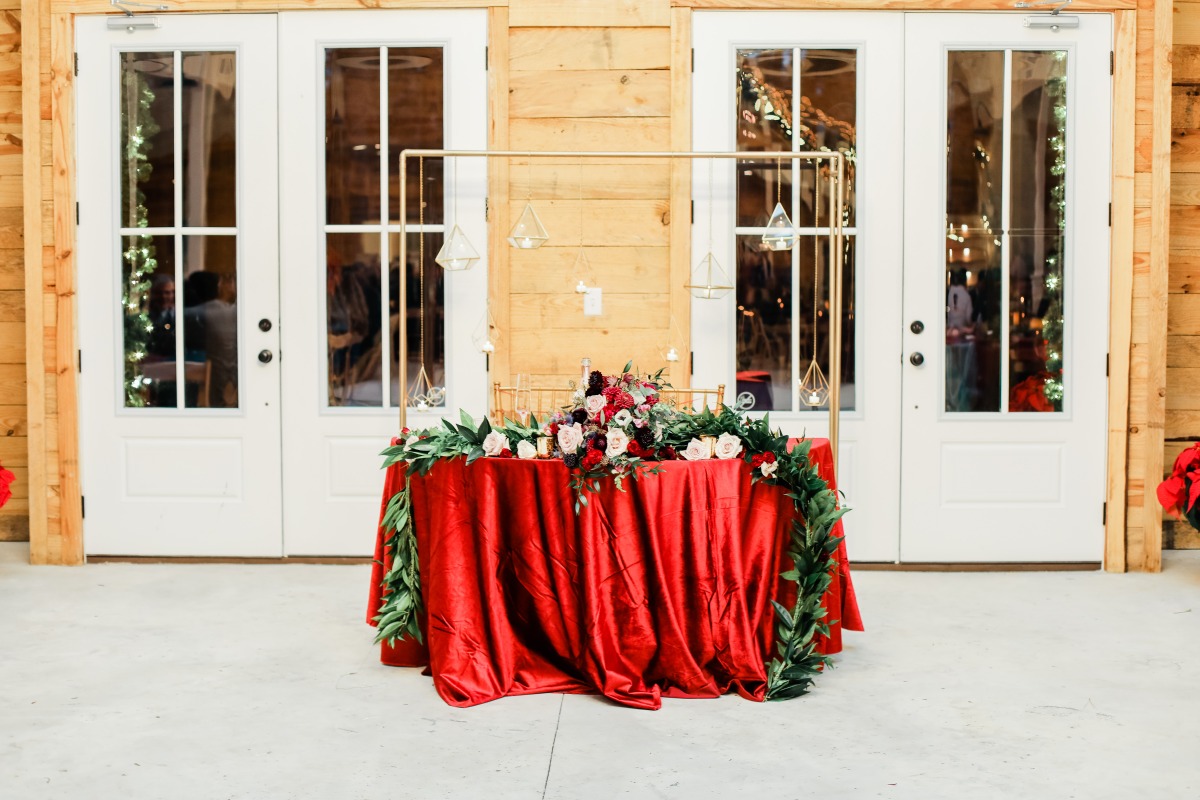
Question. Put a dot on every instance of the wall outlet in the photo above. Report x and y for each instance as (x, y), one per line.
(593, 304)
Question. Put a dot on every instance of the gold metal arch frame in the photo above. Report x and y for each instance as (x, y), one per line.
(836, 190)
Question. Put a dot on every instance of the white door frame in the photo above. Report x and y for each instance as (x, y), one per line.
(332, 479)
(869, 451)
(1047, 468)
(186, 482)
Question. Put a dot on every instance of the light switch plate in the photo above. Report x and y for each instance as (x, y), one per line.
(593, 304)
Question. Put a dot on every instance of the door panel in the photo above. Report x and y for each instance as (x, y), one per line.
(750, 69)
(178, 262)
(356, 89)
(1006, 265)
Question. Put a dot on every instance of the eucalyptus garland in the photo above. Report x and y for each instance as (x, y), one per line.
(811, 544)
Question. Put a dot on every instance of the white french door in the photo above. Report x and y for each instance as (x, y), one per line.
(759, 339)
(1006, 289)
(239, 272)
(177, 264)
(355, 90)
(977, 265)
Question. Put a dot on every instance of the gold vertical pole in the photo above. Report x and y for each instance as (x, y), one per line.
(837, 199)
(402, 309)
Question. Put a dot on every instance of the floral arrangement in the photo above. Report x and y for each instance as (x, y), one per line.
(1180, 493)
(617, 427)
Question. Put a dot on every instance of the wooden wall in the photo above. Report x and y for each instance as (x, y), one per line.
(1183, 316)
(589, 76)
(14, 442)
(605, 74)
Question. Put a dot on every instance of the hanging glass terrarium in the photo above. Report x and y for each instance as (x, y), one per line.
(780, 233)
(528, 233)
(457, 253)
(709, 281)
(814, 386)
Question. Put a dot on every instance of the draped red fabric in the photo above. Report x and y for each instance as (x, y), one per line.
(662, 589)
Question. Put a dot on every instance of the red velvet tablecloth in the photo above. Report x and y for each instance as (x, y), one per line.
(659, 590)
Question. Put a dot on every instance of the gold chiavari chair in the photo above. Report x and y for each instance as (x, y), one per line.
(545, 401)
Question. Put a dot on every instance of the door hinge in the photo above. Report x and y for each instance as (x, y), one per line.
(693, 59)
(691, 362)
(693, 212)
(485, 59)
(485, 209)
(77, 212)
(82, 508)
(1112, 63)
(1110, 215)
(79, 358)
(1104, 513)
(76, 64)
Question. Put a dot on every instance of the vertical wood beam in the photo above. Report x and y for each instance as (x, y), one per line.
(681, 186)
(31, 198)
(1120, 284)
(499, 273)
(62, 98)
(1149, 559)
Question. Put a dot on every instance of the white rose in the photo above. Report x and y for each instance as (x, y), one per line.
(623, 417)
(618, 442)
(595, 404)
(526, 449)
(728, 445)
(494, 442)
(696, 451)
(768, 468)
(569, 438)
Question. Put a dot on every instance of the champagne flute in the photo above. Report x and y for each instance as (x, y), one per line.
(524, 398)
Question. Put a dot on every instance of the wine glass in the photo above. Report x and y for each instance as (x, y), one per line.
(524, 398)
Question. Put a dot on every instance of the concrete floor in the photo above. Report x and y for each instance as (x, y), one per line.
(214, 681)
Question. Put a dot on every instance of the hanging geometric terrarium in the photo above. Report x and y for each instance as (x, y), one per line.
(486, 336)
(581, 270)
(709, 281)
(457, 252)
(814, 387)
(780, 233)
(423, 395)
(528, 233)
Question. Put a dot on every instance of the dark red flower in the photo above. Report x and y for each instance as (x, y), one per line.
(624, 400)
(668, 453)
(505, 453)
(600, 442)
(592, 458)
(757, 460)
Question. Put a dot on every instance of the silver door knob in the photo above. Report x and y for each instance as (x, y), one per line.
(265, 356)
(916, 359)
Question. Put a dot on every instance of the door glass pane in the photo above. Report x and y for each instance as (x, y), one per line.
(352, 151)
(210, 321)
(1036, 280)
(435, 311)
(148, 300)
(354, 341)
(209, 139)
(807, 314)
(974, 227)
(764, 122)
(828, 116)
(764, 319)
(415, 120)
(146, 147)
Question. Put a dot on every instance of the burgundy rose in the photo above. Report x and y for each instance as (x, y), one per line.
(600, 442)
(579, 415)
(644, 436)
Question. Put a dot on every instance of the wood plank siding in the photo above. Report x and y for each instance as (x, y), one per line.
(605, 74)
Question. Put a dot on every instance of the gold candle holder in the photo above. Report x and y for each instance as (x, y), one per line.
(710, 442)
